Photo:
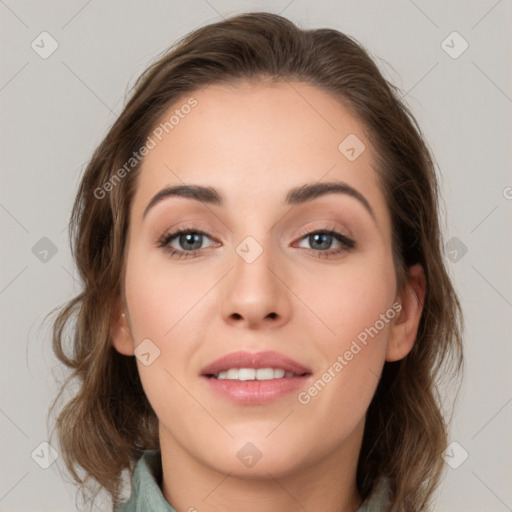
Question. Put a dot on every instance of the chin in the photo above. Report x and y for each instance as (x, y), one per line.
(255, 457)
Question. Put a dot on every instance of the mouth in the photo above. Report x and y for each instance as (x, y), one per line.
(247, 378)
(245, 374)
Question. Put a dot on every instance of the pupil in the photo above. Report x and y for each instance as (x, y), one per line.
(189, 239)
(323, 236)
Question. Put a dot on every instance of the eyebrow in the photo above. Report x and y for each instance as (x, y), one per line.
(295, 196)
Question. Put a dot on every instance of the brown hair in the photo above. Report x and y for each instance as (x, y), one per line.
(105, 427)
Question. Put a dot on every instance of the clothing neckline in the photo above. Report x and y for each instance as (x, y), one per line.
(146, 493)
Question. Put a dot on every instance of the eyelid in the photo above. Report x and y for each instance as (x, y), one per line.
(174, 233)
(327, 226)
(347, 242)
(324, 225)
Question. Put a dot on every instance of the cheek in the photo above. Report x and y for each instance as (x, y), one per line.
(165, 303)
(350, 298)
(160, 307)
(355, 307)
(161, 296)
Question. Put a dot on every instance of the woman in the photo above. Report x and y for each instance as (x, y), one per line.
(288, 358)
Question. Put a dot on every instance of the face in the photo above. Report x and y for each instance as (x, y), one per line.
(261, 277)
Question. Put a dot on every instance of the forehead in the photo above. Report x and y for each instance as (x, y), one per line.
(255, 141)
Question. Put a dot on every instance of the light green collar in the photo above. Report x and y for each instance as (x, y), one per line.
(147, 496)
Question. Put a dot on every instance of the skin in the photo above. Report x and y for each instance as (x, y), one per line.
(254, 142)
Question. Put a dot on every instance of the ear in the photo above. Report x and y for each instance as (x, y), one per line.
(120, 331)
(405, 327)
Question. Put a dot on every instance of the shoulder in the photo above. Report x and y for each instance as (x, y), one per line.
(145, 486)
(378, 499)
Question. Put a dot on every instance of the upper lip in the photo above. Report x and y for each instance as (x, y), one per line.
(244, 359)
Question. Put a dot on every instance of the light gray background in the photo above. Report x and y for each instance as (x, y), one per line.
(55, 111)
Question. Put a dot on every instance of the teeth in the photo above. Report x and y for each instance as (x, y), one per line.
(253, 374)
(268, 373)
(278, 374)
(246, 374)
(232, 373)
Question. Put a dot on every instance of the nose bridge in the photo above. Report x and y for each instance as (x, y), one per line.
(253, 292)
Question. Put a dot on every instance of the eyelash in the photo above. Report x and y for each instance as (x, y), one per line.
(347, 243)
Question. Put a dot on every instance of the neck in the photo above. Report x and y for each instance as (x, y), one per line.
(327, 484)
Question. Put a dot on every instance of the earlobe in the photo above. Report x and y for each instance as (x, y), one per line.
(120, 332)
(405, 326)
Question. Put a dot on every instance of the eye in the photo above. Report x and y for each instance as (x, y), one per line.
(189, 242)
(321, 242)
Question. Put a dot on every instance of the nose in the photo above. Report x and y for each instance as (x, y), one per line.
(255, 293)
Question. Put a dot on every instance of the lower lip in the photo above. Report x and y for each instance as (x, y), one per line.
(255, 392)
